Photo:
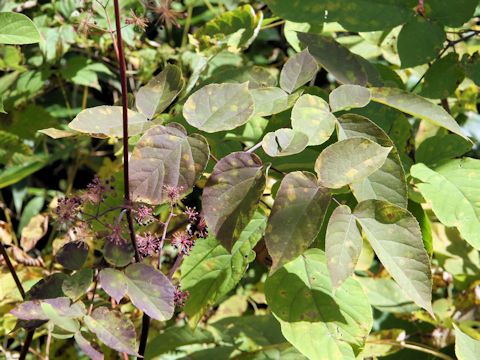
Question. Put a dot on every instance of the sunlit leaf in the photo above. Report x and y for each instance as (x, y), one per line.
(56, 133)
(311, 116)
(154, 97)
(17, 29)
(396, 238)
(296, 217)
(166, 157)
(439, 148)
(231, 195)
(343, 244)
(346, 97)
(349, 161)
(218, 107)
(33, 231)
(284, 142)
(466, 348)
(271, 100)
(297, 71)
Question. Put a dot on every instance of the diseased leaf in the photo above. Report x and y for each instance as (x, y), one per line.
(466, 348)
(416, 106)
(87, 348)
(343, 244)
(438, 148)
(113, 329)
(349, 161)
(271, 100)
(166, 157)
(219, 107)
(453, 189)
(396, 238)
(77, 284)
(284, 142)
(33, 231)
(297, 71)
(113, 282)
(104, 121)
(73, 255)
(318, 323)
(17, 29)
(296, 217)
(311, 116)
(154, 97)
(32, 310)
(388, 182)
(346, 97)
(231, 195)
(335, 58)
(150, 291)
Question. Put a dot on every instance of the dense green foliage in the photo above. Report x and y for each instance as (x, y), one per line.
(299, 179)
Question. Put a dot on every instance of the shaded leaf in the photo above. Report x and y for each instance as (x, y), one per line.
(438, 148)
(218, 107)
(297, 71)
(346, 97)
(461, 181)
(231, 195)
(396, 238)
(311, 116)
(77, 284)
(349, 161)
(443, 77)
(104, 121)
(456, 16)
(48, 287)
(118, 255)
(17, 29)
(83, 71)
(32, 309)
(271, 100)
(113, 282)
(154, 97)
(72, 255)
(343, 244)
(165, 156)
(296, 217)
(284, 142)
(416, 106)
(466, 348)
(87, 348)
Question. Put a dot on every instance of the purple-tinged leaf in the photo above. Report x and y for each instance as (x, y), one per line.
(297, 71)
(77, 284)
(296, 217)
(87, 348)
(113, 329)
(32, 310)
(150, 291)
(166, 156)
(114, 283)
(231, 195)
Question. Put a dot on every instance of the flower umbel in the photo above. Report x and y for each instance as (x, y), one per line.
(183, 242)
(144, 215)
(95, 191)
(174, 193)
(164, 11)
(148, 244)
(180, 297)
(68, 208)
(115, 236)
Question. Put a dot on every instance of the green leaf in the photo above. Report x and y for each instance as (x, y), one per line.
(15, 173)
(154, 97)
(113, 329)
(297, 71)
(63, 322)
(443, 77)
(33, 310)
(420, 41)
(320, 324)
(150, 291)
(349, 161)
(311, 116)
(271, 100)
(454, 185)
(335, 58)
(2, 109)
(291, 30)
(284, 142)
(296, 217)
(231, 195)
(466, 348)
(438, 148)
(346, 97)
(17, 29)
(451, 14)
(354, 15)
(82, 71)
(104, 121)
(73, 254)
(166, 157)
(396, 238)
(416, 106)
(218, 107)
(388, 182)
(210, 271)
(113, 282)
(77, 284)
(343, 244)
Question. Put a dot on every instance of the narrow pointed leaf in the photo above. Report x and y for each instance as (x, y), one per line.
(343, 244)
(160, 92)
(311, 116)
(297, 71)
(396, 238)
(349, 161)
(296, 217)
(113, 282)
(166, 156)
(284, 142)
(346, 97)
(219, 107)
(231, 195)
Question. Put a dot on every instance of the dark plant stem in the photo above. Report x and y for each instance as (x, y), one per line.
(123, 80)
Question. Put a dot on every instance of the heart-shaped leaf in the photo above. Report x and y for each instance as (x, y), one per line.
(346, 97)
(348, 161)
(166, 157)
(297, 71)
(219, 107)
(296, 217)
(284, 142)
(231, 195)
